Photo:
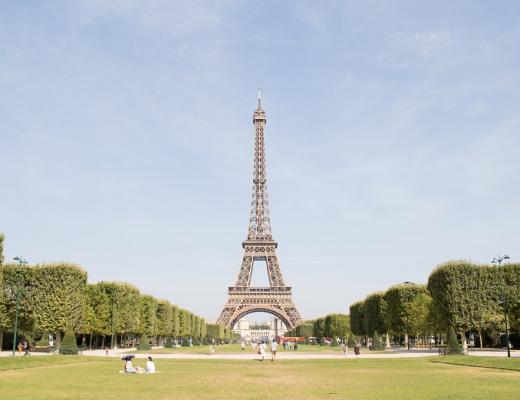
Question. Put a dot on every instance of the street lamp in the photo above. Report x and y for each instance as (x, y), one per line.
(503, 302)
(112, 317)
(406, 320)
(21, 261)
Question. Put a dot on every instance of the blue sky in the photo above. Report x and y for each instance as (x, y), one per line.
(393, 140)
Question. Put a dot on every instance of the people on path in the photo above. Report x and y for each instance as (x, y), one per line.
(345, 349)
(253, 346)
(150, 366)
(357, 350)
(274, 346)
(243, 345)
(212, 350)
(261, 351)
(25, 347)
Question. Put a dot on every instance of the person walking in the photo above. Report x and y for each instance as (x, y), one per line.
(274, 346)
(261, 351)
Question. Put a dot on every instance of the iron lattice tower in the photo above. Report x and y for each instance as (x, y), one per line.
(275, 299)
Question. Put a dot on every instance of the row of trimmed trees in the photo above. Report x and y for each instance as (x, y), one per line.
(469, 297)
(55, 298)
(333, 326)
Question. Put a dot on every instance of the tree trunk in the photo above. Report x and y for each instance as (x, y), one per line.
(387, 340)
(480, 338)
(1, 338)
(103, 341)
(90, 342)
(58, 340)
(406, 340)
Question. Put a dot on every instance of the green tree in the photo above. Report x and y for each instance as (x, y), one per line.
(306, 330)
(337, 326)
(376, 342)
(374, 314)
(4, 318)
(176, 323)
(215, 332)
(124, 300)
(147, 315)
(19, 279)
(164, 319)
(69, 346)
(58, 292)
(421, 322)
(144, 342)
(96, 312)
(357, 319)
(400, 307)
(185, 323)
(468, 296)
(319, 328)
(2, 238)
(453, 343)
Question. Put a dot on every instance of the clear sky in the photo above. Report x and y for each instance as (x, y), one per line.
(393, 140)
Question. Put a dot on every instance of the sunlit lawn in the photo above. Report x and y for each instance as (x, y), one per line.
(98, 378)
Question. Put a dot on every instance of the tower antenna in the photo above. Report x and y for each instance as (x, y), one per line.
(259, 96)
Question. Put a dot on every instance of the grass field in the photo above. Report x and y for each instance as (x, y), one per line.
(512, 364)
(67, 377)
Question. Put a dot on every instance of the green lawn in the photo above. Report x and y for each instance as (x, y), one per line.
(485, 362)
(91, 378)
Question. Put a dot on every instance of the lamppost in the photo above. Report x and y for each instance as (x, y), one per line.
(406, 321)
(21, 261)
(112, 315)
(503, 302)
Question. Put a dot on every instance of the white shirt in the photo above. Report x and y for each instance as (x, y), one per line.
(150, 367)
(273, 346)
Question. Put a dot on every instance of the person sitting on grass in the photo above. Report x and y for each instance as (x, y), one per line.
(150, 366)
(129, 369)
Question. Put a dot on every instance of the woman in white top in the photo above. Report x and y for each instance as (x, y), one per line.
(150, 366)
(128, 366)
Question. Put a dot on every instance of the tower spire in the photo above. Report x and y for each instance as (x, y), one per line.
(259, 98)
(259, 220)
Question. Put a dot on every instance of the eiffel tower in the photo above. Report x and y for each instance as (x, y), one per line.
(275, 299)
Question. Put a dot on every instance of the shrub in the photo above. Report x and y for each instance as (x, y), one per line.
(453, 343)
(69, 346)
(351, 341)
(376, 342)
(169, 343)
(185, 342)
(144, 343)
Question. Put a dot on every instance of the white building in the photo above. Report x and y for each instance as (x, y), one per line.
(274, 328)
